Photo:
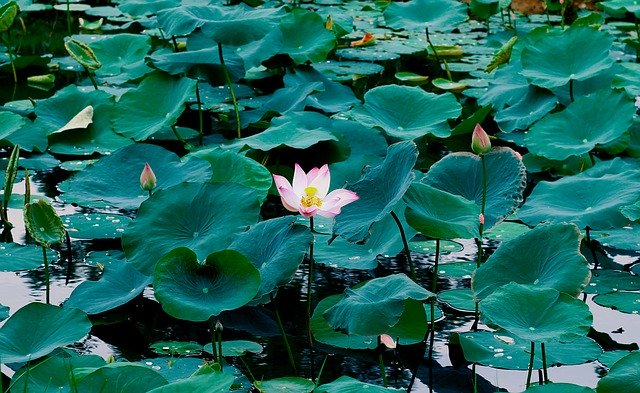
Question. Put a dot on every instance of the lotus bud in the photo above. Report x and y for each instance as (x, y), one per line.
(481, 218)
(147, 178)
(110, 359)
(387, 341)
(218, 327)
(480, 143)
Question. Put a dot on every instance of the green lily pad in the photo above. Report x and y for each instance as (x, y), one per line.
(203, 64)
(49, 327)
(606, 281)
(618, 8)
(418, 14)
(376, 306)
(179, 348)
(175, 369)
(276, 248)
(95, 225)
(346, 384)
(506, 231)
(583, 130)
(199, 383)
(380, 189)
(115, 179)
(608, 358)
(334, 97)
(501, 349)
(10, 123)
(625, 238)
(121, 56)
(462, 300)
(192, 215)
(457, 269)
(14, 256)
(119, 284)
(592, 198)
(155, 104)
(43, 223)
(626, 302)
(439, 214)
(623, 376)
(236, 348)
(538, 314)
(347, 70)
(384, 107)
(411, 78)
(551, 60)
(559, 387)
(287, 384)
(461, 174)
(429, 246)
(304, 37)
(195, 291)
(548, 256)
(119, 377)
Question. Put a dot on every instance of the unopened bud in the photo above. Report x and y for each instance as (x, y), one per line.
(480, 143)
(147, 178)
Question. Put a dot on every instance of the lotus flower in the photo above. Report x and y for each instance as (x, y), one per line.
(309, 196)
(480, 142)
(147, 178)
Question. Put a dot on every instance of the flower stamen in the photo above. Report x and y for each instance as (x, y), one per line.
(310, 198)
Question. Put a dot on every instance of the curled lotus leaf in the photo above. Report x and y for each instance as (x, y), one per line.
(82, 53)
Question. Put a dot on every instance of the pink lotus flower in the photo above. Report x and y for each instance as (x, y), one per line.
(309, 196)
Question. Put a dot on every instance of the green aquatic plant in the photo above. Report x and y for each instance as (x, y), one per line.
(8, 13)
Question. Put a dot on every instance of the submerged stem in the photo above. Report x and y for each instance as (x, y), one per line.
(405, 243)
(292, 363)
(227, 78)
(531, 358)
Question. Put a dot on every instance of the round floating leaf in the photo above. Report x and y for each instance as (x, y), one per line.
(43, 223)
(592, 198)
(551, 60)
(502, 350)
(276, 248)
(624, 376)
(179, 348)
(625, 238)
(439, 214)
(582, 129)
(429, 246)
(119, 377)
(115, 179)
(376, 306)
(606, 280)
(548, 256)
(506, 230)
(199, 383)
(559, 387)
(379, 189)
(347, 70)
(626, 302)
(461, 174)
(95, 225)
(119, 284)
(236, 348)
(155, 104)
(346, 384)
(536, 313)
(287, 384)
(14, 256)
(459, 299)
(418, 14)
(304, 36)
(49, 327)
(195, 291)
(175, 368)
(385, 107)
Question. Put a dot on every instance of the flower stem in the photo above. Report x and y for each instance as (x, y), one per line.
(214, 339)
(531, 358)
(309, 282)
(46, 273)
(571, 90)
(591, 248)
(543, 353)
(480, 254)
(284, 334)
(383, 371)
(432, 332)
(231, 91)
(200, 121)
(406, 244)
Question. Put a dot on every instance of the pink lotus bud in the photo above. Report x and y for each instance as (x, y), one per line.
(147, 178)
(518, 155)
(387, 341)
(481, 218)
(480, 143)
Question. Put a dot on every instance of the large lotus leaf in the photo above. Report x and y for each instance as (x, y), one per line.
(119, 283)
(346, 384)
(593, 121)
(298, 130)
(194, 291)
(421, 14)
(49, 327)
(238, 25)
(624, 376)
(115, 179)
(202, 217)
(201, 64)
(55, 112)
(10, 123)
(177, 368)
(547, 256)
(155, 104)
(14, 256)
(52, 371)
(386, 107)
(609, 280)
(343, 71)
(304, 37)
(503, 350)
(552, 61)
(32, 137)
(627, 77)
(140, 8)
(379, 189)
(592, 198)
(287, 384)
(276, 248)
(236, 348)
(284, 100)
(461, 174)
(627, 302)
(95, 225)
(625, 238)
(118, 52)
(385, 239)
(43, 223)
(535, 313)
(559, 387)
(376, 306)
(441, 215)
(618, 8)
(118, 377)
(199, 383)
(232, 167)
(335, 96)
